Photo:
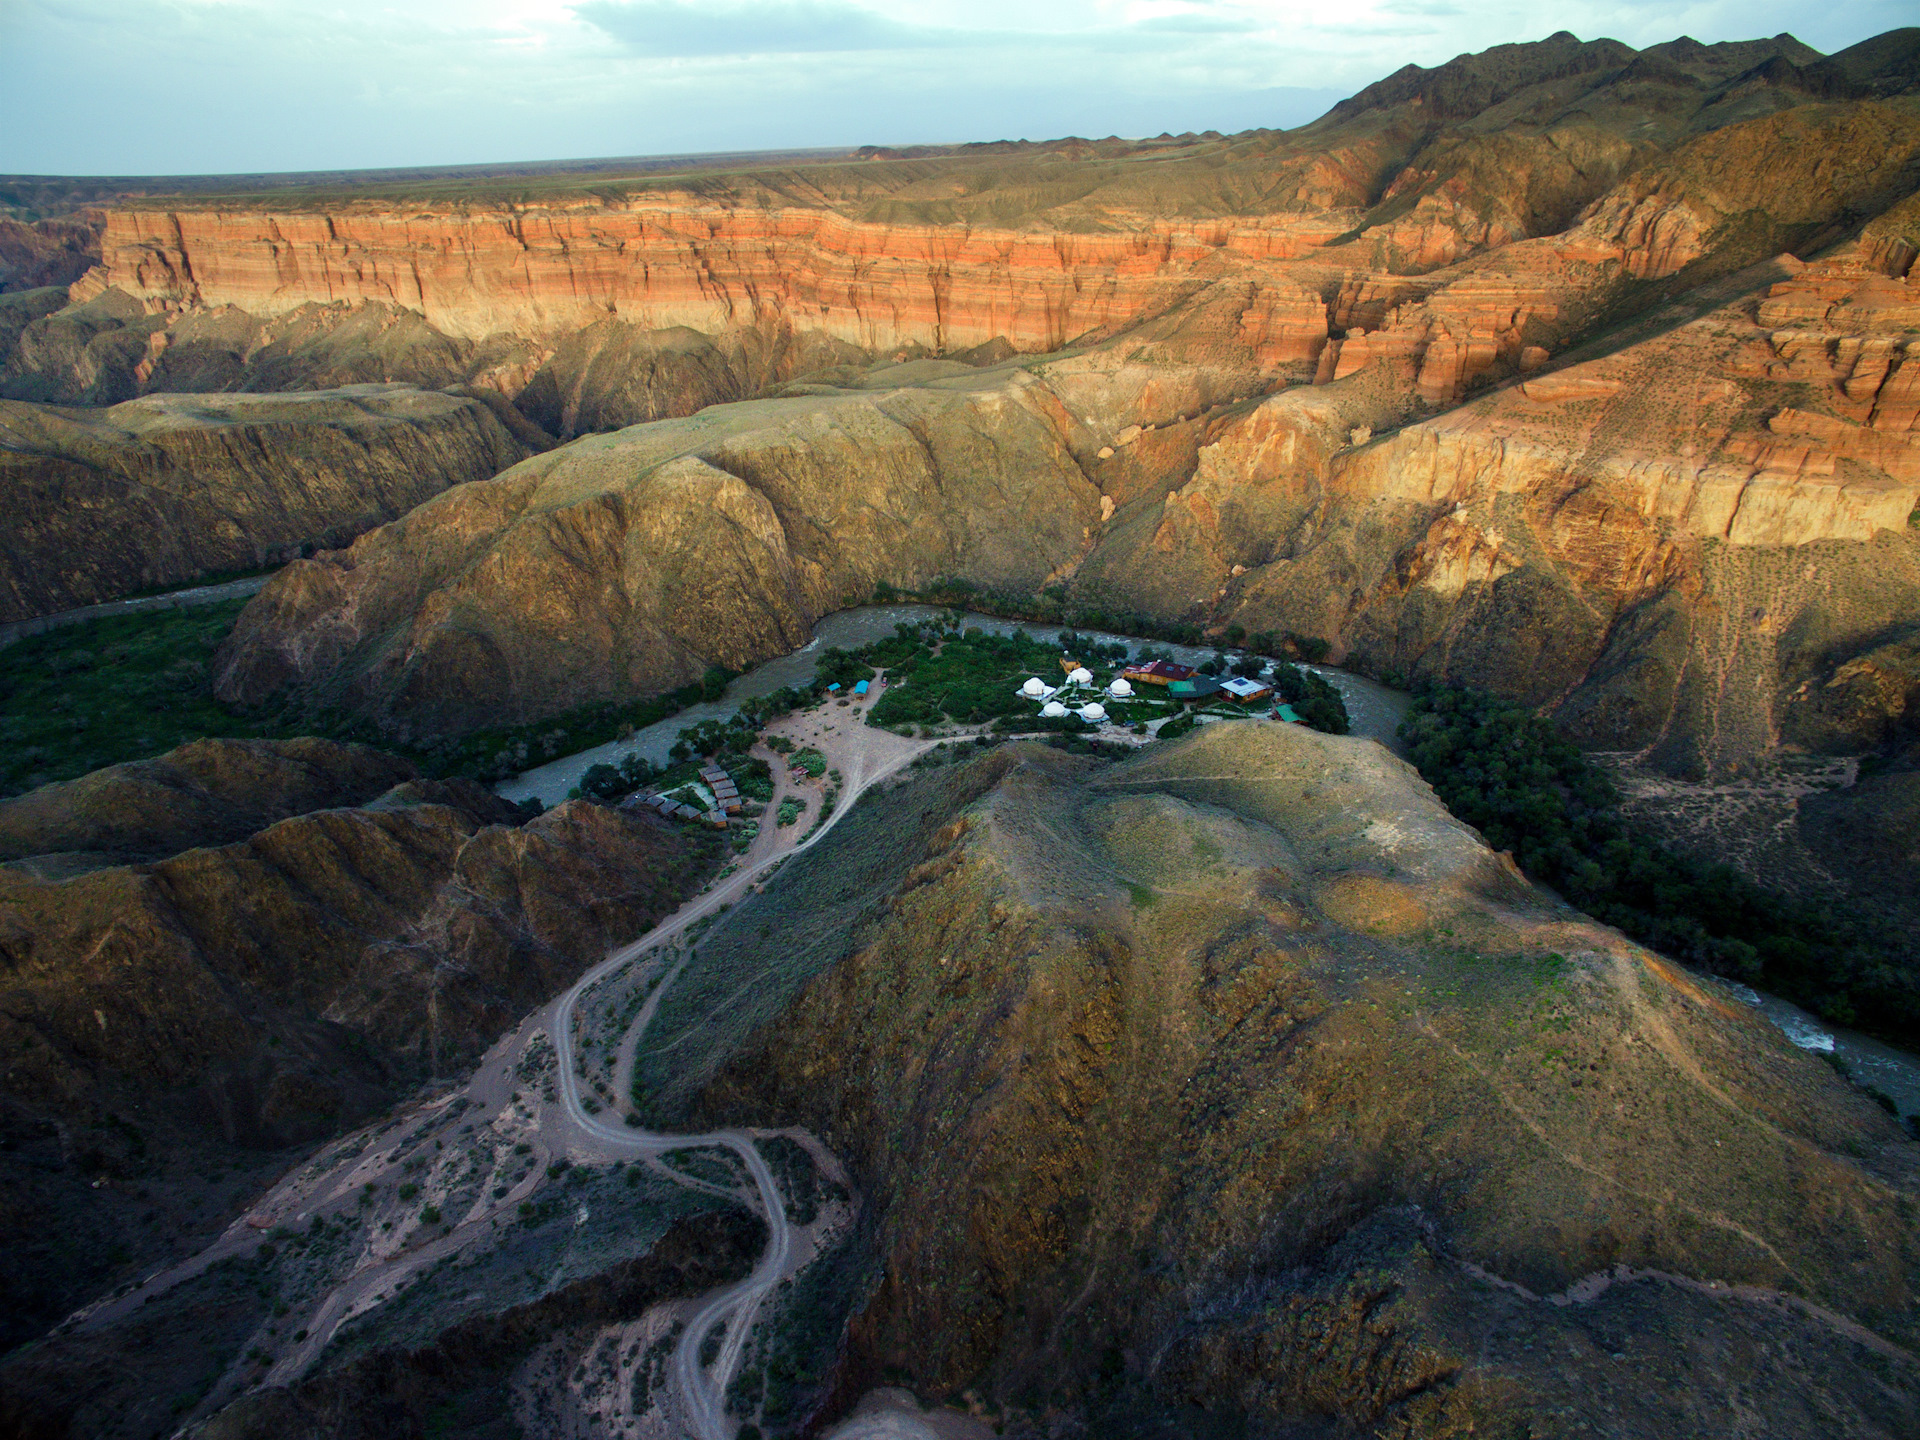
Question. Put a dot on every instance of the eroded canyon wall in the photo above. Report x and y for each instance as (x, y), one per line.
(167, 488)
(1651, 542)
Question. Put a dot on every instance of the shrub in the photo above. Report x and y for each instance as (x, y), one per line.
(1527, 788)
(1313, 699)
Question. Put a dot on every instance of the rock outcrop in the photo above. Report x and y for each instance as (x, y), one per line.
(35, 253)
(624, 565)
(164, 1019)
(165, 489)
(209, 792)
(1239, 1076)
(273, 986)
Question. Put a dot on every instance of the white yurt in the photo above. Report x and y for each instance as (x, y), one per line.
(1120, 689)
(1033, 687)
(1081, 676)
(1093, 712)
(1052, 710)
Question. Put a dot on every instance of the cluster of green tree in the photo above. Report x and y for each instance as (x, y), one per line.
(611, 782)
(1509, 773)
(718, 739)
(126, 687)
(1314, 700)
(973, 679)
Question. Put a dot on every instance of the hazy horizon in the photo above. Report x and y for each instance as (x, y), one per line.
(211, 87)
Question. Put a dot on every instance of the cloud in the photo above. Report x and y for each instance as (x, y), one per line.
(132, 87)
(1192, 23)
(659, 27)
(671, 29)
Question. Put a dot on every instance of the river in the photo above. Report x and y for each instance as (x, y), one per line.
(1375, 711)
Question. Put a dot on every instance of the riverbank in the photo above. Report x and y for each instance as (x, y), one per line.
(172, 600)
(1374, 709)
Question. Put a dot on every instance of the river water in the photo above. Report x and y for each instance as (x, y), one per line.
(1375, 712)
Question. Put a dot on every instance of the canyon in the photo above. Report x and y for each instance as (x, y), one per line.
(1221, 1084)
(1382, 382)
(166, 489)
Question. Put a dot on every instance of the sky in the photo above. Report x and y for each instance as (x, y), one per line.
(180, 87)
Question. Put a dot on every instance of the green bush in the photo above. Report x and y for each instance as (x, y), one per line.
(1178, 726)
(1313, 699)
(1528, 789)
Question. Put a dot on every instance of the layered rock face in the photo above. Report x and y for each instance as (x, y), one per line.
(1239, 1078)
(674, 263)
(162, 490)
(1699, 544)
(1240, 318)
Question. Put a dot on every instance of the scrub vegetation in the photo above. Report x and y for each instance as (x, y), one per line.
(1509, 773)
(127, 687)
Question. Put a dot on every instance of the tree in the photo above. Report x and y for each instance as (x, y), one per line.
(603, 782)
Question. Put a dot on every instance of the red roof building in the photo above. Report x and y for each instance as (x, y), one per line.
(1160, 672)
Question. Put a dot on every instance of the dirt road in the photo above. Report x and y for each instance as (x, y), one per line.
(339, 1181)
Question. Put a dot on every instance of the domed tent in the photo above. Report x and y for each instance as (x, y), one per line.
(1034, 687)
(1093, 712)
(1082, 676)
(1052, 710)
(1120, 689)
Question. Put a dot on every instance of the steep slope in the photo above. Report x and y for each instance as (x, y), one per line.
(207, 793)
(1696, 543)
(34, 253)
(625, 564)
(162, 490)
(161, 1020)
(1238, 1078)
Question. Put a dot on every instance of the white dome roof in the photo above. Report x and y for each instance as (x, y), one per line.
(1120, 688)
(1081, 676)
(1033, 687)
(1093, 712)
(1053, 710)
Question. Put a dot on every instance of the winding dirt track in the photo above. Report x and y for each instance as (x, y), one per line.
(864, 757)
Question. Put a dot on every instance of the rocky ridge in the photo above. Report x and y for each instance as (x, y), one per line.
(210, 792)
(255, 993)
(167, 488)
(1238, 1078)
